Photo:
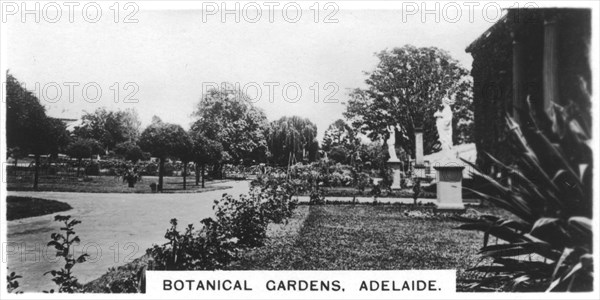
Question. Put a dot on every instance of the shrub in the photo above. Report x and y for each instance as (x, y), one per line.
(67, 283)
(206, 249)
(238, 223)
(548, 244)
(92, 169)
(12, 284)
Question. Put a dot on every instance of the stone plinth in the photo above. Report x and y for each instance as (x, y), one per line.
(418, 146)
(419, 171)
(449, 188)
(395, 165)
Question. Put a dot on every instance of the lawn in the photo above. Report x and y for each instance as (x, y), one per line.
(352, 237)
(25, 207)
(367, 237)
(106, 184)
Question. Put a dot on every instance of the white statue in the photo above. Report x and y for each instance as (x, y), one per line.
(391, 143)
(443, 122)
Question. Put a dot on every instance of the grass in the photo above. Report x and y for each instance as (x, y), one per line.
(106, 184)
(353, 237)
(368, 237)
(26, 207)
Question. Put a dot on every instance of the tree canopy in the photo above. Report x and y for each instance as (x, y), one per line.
(83, 148)
(339, 133)
(227, 116)
(28, 128)
(110, 127)
(129, 151)
(206, 150)
(292, 135)
(164, 140)
(406, 88)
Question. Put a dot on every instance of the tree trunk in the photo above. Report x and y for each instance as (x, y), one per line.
(184, 175)
(217, 171)
(203, 175)
(78, 167)
(161, 170)
(36, 175)
(197, 173)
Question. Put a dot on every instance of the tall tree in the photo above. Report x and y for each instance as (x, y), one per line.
(295, 136)
(206, 151)
(164, 140)
(109, 127)
(228, 117)
(406, 88)
(28, 128)
(185, 152)
(341, 143)
(339, 133)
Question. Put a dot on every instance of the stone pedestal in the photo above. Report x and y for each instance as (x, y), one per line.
(395, 165)
(419, 171)
(418, 146)
(449, 188)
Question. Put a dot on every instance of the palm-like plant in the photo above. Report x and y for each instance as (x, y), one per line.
(547, 245)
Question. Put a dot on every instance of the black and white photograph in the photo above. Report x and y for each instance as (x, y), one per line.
(299, 149)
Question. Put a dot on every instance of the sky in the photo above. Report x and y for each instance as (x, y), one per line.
(168, 58)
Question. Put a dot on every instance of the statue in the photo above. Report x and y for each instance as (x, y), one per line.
(391, 142)
(443, 122)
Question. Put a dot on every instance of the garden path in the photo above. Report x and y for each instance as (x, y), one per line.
(115, 229)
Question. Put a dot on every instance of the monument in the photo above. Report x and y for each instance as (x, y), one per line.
(419, 166)
(449, 169)
(394, 163)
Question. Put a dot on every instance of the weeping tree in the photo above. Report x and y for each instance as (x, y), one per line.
(226, 115)
(292, 136)
(406, 89)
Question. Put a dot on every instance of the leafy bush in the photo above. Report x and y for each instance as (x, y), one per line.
(12, 284)
(238, 223)
(207, 249)
(92, 169)
(275, 196)
(548, 244)
(67, 283)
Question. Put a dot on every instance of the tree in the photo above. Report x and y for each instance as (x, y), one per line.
(28, 129)
(205, 151)
(185, 152)
(129, 151)
(109, 127)
(83, 148)
(339, 133)
(406, 88)
(164, 140)
(340, 141)
(292, 136)
(228, 117)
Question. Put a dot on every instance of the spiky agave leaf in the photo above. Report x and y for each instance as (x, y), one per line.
(548, 187)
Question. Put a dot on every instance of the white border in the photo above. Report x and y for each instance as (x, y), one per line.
(171, 5)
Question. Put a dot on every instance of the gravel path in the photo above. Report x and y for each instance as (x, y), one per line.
(115, 229)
